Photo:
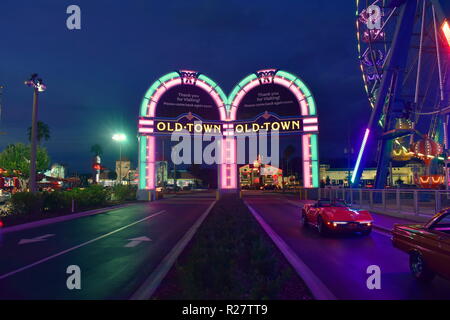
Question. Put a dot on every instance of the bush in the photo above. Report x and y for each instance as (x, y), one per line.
(90, 197)
(25, 206)
(25, 203)
(124, 193)
(57, 201)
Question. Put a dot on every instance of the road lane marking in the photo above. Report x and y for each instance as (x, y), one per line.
(72, 216)
(136, 241)
(149, 286)
(35, 239)
(317, 287)
(6, 275)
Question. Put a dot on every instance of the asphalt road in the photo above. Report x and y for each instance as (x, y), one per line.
(112, 266)
(341, 261)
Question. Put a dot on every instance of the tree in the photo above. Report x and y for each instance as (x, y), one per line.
(97, 150)
(15, 158)
(43, 132)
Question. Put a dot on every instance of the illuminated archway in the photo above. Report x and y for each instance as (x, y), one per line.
(147, 121)
(307, 110)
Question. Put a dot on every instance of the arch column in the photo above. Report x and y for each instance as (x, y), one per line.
(308, 141)
(147, 138)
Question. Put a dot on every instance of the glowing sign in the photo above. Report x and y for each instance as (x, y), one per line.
(265, 122)
(360, 154)
(177, 101)
(446, 29)
(168, 127)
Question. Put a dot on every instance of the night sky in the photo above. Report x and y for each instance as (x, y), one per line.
(97, 76)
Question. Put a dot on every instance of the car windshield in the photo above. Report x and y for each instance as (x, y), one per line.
(442, 224)
(331, 203)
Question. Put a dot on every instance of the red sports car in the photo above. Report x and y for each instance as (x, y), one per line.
(336, 216)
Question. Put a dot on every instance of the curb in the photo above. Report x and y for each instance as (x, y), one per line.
(318, 289)
(149, 286)
(44, 222)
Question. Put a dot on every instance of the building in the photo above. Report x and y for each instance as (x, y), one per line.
(185, 179)
(408, 174)
(56, 171)
(258, 175)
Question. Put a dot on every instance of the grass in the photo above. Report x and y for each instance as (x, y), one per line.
(231, 257)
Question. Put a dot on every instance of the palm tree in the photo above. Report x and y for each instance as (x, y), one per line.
(43, 132)
(97, 150)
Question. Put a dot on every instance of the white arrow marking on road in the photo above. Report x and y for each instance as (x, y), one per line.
(37, 239)
(135, 241)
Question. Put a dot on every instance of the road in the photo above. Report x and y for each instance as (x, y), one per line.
(33, 262)
(341, 261)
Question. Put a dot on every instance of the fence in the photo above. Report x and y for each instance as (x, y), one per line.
(405, 201)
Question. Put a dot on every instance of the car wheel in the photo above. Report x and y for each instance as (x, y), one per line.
(419, 268)
(321, 226)
(366, 232)
(304, 220)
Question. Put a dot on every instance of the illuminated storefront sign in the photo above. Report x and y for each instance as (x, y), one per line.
(158, 126)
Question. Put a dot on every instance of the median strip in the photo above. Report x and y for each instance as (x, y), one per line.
(317, 287)
(230, 257)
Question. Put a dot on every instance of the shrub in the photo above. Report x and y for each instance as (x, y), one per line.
(90, 197)
(57, 201)
(124, 193)
(26, 203)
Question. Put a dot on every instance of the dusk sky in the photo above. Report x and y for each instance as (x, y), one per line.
(97, 76)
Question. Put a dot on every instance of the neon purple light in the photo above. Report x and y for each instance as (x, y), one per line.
(361, 151)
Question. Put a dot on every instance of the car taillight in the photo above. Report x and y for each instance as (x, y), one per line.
(1, 224)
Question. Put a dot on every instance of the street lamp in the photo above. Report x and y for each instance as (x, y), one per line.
(38, 86)
(120, 137)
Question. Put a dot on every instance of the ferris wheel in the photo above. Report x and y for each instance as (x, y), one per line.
(404, 54)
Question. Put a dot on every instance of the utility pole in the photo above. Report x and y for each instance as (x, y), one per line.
(1, 93)
(38, 86)
(119, 138)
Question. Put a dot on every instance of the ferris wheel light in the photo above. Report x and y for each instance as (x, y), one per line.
(446, 29)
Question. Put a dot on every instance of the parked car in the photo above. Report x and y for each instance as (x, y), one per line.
(171, 187)
(428, 246)
(336, 216)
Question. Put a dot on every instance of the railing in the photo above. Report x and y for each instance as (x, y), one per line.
(417, 202)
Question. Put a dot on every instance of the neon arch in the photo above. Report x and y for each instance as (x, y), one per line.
(307, 104)
(146, 121)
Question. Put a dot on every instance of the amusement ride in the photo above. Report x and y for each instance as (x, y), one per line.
(404, 53)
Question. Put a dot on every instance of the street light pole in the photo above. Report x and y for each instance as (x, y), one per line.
(38, 86)
(33, 142)
(120, 163)
(119, 137)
